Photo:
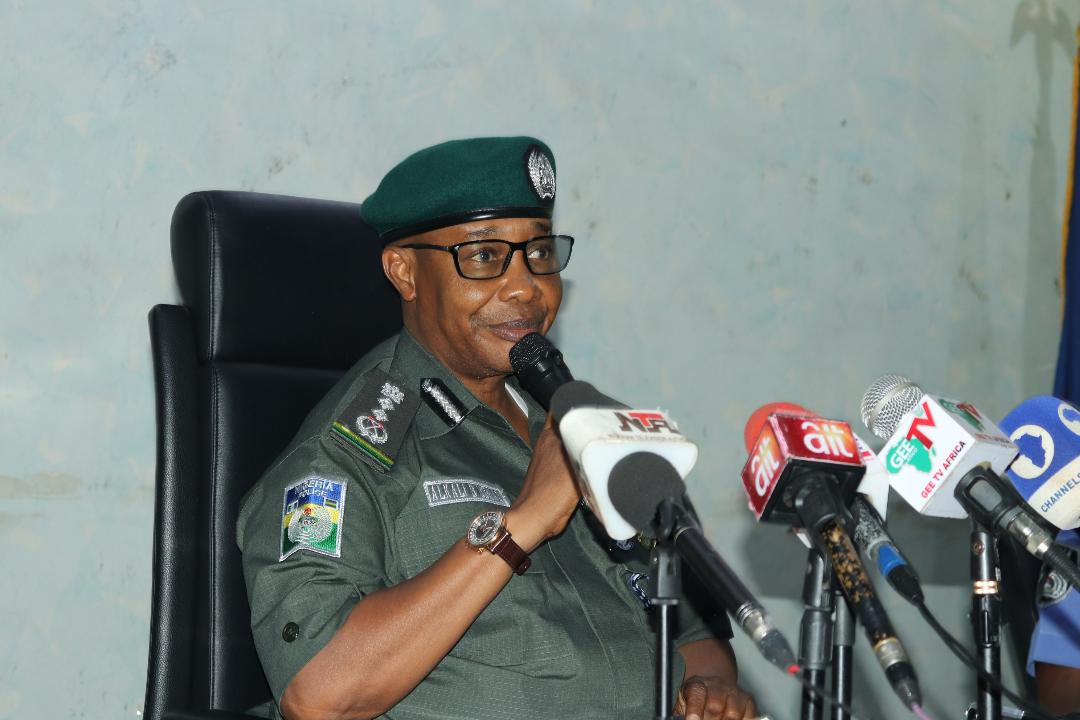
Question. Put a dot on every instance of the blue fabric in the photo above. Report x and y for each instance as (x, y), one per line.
(1056, 638)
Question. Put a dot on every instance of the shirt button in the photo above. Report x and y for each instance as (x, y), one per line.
(290, 631)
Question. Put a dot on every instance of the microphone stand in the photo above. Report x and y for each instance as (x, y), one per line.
(814, 632)
(665, 588)
(843, 647)
(986, 619)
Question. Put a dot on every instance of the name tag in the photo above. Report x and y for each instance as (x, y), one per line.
(448, 491)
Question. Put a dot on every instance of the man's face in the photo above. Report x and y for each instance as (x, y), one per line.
(470, 325)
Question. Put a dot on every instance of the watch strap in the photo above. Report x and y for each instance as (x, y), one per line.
(505, 547)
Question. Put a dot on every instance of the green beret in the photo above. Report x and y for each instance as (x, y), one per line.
(461, 181)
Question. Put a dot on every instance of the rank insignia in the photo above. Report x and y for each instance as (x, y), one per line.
(374, 423)
(311, 517)
(439, 398)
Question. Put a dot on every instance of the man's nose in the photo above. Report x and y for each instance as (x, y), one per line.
(519, 283)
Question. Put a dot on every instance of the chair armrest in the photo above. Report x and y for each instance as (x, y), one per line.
(208, 715)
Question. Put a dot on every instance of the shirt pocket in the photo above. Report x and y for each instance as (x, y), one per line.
(549, 620)
(423, 536)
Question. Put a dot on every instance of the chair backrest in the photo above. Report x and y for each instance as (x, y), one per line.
(280, 296)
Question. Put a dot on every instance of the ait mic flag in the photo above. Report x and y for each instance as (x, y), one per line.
(788, 445)
(1067, 380)
(934, 445)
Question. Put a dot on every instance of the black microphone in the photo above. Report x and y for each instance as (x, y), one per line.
(638, 484)
(803, 470)
(539, 366)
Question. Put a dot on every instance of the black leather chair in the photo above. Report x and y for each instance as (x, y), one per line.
(280, 296)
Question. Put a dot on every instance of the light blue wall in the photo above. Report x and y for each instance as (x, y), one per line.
(774, 200)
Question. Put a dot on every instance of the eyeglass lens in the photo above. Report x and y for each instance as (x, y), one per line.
(488, 258)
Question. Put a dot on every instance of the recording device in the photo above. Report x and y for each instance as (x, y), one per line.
(628, 462)
(639, 483)
(930, 443)
(597, 430)
(1046, 473)
(539, 367)
(947, 459)
(804, 471)
(792, 449)
(599, 433)
(867, 509)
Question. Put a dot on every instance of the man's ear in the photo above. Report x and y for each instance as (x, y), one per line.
(399, 267)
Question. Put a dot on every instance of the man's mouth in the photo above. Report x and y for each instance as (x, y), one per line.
(514, 330)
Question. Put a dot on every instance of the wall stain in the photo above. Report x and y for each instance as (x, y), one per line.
(965, 274)
(14, 519)
(38, 485)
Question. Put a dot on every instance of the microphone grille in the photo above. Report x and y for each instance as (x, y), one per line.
(886, 401)
(528, 350)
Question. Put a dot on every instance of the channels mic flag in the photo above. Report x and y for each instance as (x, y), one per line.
(1046, 473)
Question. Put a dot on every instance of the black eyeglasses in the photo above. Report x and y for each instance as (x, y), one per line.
(486, 259)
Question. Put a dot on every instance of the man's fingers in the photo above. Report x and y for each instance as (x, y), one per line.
(734, 707)
(750, 712)
(695, 694)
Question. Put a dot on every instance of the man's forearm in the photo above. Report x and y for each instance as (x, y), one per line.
(394, 637)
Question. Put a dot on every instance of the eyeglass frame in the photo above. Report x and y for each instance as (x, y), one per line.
(514, 247)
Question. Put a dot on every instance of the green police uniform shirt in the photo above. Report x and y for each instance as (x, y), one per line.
(382, 479)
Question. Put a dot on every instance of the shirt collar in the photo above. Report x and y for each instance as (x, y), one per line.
(537, 414)
(413, 363)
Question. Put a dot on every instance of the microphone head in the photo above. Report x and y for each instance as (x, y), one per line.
(639, 483)
(539, 367)
(886, 401)
(529, 350)
(788, 447)
(578, 393)
(757, 419)
(1046, 472)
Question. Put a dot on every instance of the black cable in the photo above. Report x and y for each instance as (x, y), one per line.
(1058, 558)
(823, 694)
(962, 652)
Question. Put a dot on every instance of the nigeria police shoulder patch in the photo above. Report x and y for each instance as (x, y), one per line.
(311, 517)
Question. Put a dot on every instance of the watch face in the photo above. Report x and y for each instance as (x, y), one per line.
(483, 528)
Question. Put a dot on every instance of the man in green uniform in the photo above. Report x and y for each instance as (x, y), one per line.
(418, 551)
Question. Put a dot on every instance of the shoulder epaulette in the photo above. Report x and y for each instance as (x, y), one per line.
(374, 424)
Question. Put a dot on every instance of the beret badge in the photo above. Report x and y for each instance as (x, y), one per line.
(541, 174)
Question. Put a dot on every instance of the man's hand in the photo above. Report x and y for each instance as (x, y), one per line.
(713, 698)
(549, 495)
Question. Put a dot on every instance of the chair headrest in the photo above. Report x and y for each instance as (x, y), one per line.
(281, 280)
